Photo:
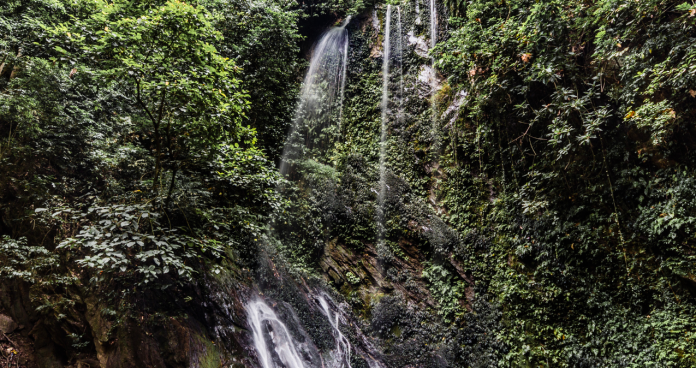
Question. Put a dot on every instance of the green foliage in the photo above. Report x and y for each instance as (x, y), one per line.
(27, 263)
(317, 8)
(655, 118)
(446, 288)
(262, 37)
(561, 189)
(129, 243)
(352, 278)
(165, 53)
(573, 134)
(131, 168)
(40, 268)
(251, 174)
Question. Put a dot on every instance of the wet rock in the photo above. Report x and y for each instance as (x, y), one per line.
(100, 328)
(428, 82)
(453, 109)
(421, 46)
(7, 324)
(375, 22)
(376, 50)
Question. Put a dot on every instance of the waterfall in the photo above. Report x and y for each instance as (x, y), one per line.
(267, 328)
(276, 348)
(344, 76)
(433, 81)
(321, 97)
(401, 65)
(383, 137)
(319, 107)
(342, 353)
(418, 19)
(433, 24)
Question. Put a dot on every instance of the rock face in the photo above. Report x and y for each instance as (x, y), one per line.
(7, 324)
(421, 46)
(428, 82)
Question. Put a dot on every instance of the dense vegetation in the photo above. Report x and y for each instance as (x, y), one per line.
(577, 125)
(547, 218)
(130, 154)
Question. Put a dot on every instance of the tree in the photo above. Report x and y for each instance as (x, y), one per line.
(190, 99)
(263, 37)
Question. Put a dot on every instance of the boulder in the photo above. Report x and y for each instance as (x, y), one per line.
(7, 324)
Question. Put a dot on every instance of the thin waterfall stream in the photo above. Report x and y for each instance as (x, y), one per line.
(433, 81)
(343, 348)
(383, 135)
(344, 75)
(401, 67)
(321, 95)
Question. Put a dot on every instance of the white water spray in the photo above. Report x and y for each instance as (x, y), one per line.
(433, 24)
(343, 348)
(266, 327)
(383, 137)
(344, 75)
(401, 65)
(433, 81)
(418, 18)
(321, 97)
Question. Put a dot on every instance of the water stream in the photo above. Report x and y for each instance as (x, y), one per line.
(433, 81)
(320, 107)
(344, 74)
(433, 24)
(383, 137)
(341, 356)
(320, 103)
(401, 66)
(268, 330)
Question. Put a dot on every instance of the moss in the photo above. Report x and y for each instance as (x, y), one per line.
(210, 356)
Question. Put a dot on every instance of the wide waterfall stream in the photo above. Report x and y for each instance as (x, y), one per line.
(321, 98)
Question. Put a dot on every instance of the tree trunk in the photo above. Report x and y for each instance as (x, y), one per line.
(14, 69)
(158, 141)
(171, 185)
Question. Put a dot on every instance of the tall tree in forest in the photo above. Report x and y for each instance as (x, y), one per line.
(190, 98)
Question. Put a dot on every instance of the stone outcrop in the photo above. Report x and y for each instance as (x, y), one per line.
(7, 324)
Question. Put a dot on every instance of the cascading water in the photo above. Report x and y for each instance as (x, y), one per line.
(383, 136)
(343, 349)
(401, 66)
(418, 19)
(344, 75)
(321, 97)
(320, 106)
(276, 347)
(433, 81)
(268, 330)
(433, 24)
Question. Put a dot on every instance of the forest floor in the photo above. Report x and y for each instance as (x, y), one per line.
(16, 351)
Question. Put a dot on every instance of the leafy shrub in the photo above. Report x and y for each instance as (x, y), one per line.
(128, 242)
(447, 289)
